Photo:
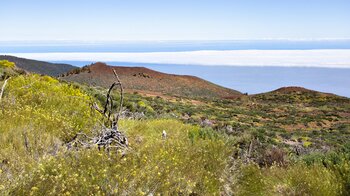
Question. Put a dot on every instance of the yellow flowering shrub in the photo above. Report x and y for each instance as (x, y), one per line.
(37, 115)
(298, 179)
(166, 166)
(6, 64)
(42, 101)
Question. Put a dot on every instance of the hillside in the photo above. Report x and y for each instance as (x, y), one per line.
(294, 94)
(140, 79)
(275, 143)
(40, 67)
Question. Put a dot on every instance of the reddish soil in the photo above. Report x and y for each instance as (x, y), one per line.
(291, 89)
(143, 79)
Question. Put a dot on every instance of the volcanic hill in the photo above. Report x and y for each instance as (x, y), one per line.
(294, 94)
(144, 80)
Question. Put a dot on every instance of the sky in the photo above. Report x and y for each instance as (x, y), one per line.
(104, 20)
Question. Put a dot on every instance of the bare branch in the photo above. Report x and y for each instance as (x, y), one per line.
(108, 98)
(106, 137)
(95, 106)
(3, 88)
(121, 97)
(108, 107)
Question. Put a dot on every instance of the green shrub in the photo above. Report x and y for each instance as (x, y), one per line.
(172, 166)
(298, 179)
(41, 101)
(37, 115)
(6, 64)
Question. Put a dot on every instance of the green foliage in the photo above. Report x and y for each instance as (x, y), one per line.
(342, 170)
(338, 162)
(203, 133)
(6, 64)
(41, 101)
(8, 69)
(37, 114)
(271, 120)
(143, 107)
(172, 166)
(297, 179)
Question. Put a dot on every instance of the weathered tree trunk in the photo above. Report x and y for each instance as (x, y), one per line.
(3, 88)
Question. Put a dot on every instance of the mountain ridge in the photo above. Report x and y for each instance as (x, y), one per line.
(39, 67)
(138, 79)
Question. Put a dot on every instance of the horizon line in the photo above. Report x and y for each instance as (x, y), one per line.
(294, 58)
(173, 40)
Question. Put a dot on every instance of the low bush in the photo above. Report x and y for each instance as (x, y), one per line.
(298, 179)
(154, 165)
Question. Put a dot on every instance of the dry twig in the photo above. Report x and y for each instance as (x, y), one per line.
(3, 88)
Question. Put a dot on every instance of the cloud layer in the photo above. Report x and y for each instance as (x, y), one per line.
(297, 58)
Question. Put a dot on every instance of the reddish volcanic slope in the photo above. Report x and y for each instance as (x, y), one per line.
(294, 94)
(291, 89)
(297, 89)
(140, 79)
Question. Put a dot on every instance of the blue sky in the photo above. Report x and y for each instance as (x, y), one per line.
(173, 19)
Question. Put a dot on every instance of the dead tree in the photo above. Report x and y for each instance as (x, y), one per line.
(109, 136)
(107, 112)
(3, 88)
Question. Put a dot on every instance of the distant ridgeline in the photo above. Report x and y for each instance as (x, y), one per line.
(40, 67)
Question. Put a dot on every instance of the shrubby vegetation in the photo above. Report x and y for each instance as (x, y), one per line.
(297, 179)
(6, 64)
(213, 147)
(37, 114)
(8, 69)
(172, 166)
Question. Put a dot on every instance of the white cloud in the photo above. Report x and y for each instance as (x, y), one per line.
(298, 58)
